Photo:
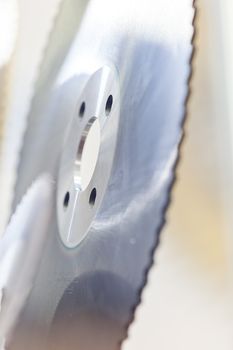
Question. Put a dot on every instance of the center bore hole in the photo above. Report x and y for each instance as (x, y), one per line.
(87, 154)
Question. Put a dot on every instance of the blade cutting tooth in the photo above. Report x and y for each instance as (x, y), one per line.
(18, 83)
(137, 315)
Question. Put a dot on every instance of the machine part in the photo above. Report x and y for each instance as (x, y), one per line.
(31, 25)
(85, 297)
(88, 154)
(20, 251)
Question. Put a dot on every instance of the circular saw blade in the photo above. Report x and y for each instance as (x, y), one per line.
(85, 297)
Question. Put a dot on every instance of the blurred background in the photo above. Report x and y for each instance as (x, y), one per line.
(188, 301)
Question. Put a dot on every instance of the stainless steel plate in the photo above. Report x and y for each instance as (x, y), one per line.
(86, 292)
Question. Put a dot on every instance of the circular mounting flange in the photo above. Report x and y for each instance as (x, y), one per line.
(88, 154)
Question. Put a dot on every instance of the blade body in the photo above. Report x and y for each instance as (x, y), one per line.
(84, 297)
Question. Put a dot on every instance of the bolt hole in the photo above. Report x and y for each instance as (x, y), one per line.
(108, 106)
(82, 109)
(92, 197)
(66, 200)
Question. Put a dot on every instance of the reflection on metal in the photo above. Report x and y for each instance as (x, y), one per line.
(98, 282)
(20, 251)
(88, 155)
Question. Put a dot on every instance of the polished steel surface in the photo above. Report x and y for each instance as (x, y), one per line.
(88, 154)
(84, 297)
(20, 250)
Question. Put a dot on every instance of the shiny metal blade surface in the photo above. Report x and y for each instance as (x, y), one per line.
(84, 297)
(20, 250)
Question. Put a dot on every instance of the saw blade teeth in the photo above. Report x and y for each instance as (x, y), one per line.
(11, 141)
(42, 88)
(151, 263)
(60, 15)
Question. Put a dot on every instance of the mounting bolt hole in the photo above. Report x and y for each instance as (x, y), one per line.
(66, 200)
(82, 109)
(108, 106)
(92, 197)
